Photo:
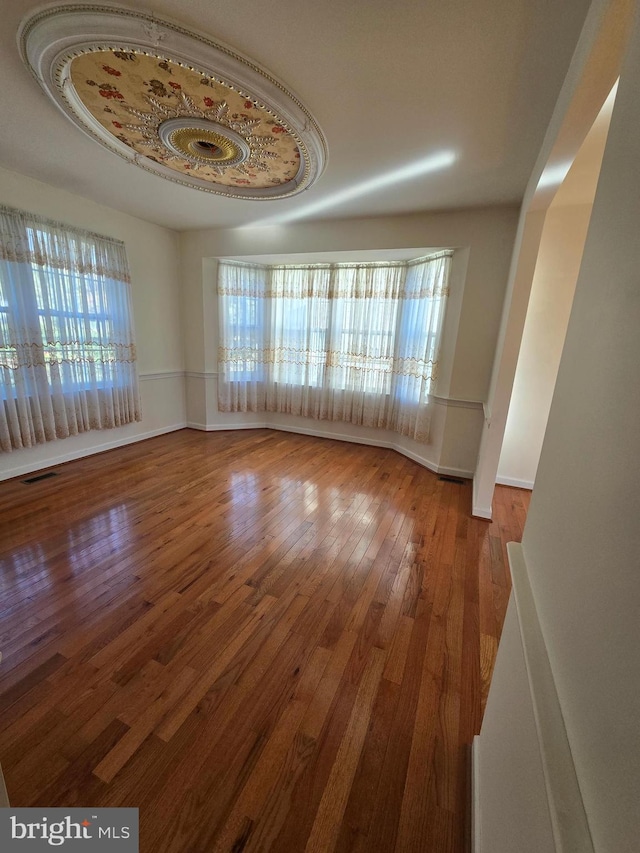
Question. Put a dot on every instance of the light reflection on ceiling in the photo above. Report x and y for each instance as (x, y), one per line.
(426, 165)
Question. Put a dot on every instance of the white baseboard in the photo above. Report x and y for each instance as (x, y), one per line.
(486, 512)
(223, 427)
(483, 513)
(353, 439)
(476, 839)
(517, 484)
(478, 511)
(31, 467)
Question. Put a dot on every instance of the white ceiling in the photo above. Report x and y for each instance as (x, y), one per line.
(389, 83)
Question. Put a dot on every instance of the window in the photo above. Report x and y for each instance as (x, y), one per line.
(353, 342)
(67, 350)
(299, 328)
(244, 322)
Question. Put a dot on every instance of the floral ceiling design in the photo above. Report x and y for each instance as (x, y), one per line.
(129, 93)
(173, 101)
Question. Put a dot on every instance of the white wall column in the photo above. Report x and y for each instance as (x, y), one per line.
(579, 565)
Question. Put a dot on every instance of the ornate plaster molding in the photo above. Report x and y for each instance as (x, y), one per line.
(242, 133)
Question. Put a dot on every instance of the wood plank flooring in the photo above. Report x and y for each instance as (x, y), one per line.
(265, 641)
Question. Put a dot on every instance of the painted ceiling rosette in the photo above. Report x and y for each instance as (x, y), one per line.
(173, 102)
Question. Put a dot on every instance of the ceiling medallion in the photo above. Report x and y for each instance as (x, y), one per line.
(190, 132)
(202, 145)
(173, 102)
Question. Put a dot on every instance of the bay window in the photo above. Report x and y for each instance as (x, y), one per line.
(343, 342)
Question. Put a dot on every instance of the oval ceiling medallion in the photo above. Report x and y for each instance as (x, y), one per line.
(173, 102)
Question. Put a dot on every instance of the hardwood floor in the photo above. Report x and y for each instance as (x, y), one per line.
(265, 641)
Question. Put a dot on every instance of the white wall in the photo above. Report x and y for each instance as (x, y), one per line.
(554, 281)
(594, 69)
(153, 259)
(581, 545)
(483, 240)
(174, 305)
(518, 822)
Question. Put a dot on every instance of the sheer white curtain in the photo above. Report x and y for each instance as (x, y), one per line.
(67, 349)
(415, 364)
(342, 342)
(243, 354)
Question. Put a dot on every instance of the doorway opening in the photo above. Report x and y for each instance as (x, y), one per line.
(556, 271)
